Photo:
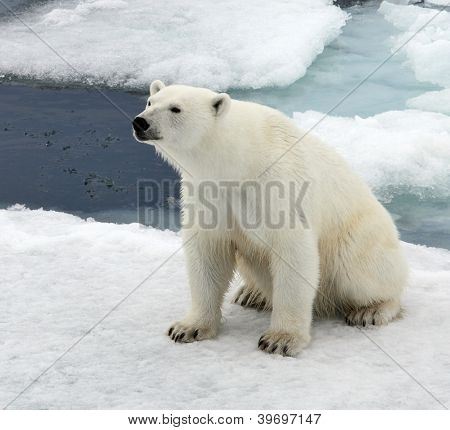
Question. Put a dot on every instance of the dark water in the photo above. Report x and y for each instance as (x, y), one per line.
(72, 150)
(7, 7)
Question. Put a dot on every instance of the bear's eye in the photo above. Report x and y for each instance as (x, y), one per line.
(175, 110)
(149, 103)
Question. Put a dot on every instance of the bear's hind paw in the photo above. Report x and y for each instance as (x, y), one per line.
(251, 298)
(379, 314)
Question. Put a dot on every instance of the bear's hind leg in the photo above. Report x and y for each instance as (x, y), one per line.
(372, 274)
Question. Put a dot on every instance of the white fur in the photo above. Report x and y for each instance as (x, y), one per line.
(348, 261)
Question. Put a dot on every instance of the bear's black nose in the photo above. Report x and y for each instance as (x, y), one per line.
(140, 124)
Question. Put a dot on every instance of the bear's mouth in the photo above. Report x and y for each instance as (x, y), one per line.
(146, 136)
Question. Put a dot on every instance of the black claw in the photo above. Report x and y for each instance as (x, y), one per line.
(195, 334)
(364, 323)
(285, 349)
(264, 345)
(181, 336)
(176, 337)
(170, 331)
(173, 336)
(274, 348)
(244, 302)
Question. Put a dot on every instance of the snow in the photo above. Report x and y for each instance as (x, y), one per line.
(433, 101)
(395, 152)
(428, 52)
(60, 275)
(218, 44)
(437, 2)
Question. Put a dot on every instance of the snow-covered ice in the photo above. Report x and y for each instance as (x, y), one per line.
(60, 275)
(432, 101)
(221, 44)
(396, 151)
(428, 52)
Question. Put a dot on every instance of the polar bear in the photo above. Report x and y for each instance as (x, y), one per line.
(345, 259)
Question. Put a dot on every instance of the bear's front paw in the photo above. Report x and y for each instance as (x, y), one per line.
(287, 344)
(185, 333)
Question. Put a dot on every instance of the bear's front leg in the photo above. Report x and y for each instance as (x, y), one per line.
(210, 265)
(295, 269)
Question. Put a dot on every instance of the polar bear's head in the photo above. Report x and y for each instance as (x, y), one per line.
(179, 116)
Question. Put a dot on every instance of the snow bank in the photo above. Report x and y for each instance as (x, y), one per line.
(432, 101)
(428, 53)
(61, 274)
(218, 44)
(396, 151)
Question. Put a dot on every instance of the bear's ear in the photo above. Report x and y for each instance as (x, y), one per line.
(156, 86)
(220, 104)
